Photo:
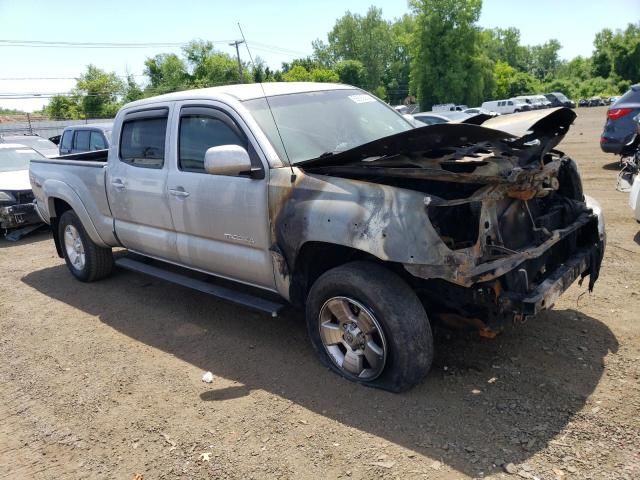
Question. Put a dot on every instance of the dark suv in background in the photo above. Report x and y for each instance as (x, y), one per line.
(559, 99)
(619, 128)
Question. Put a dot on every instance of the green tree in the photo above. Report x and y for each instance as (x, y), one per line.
(351, 72)
(367, 39)
(132, 90)
(625, 53)
(167, 73)
(544, 59)
(297, 74)
(601, 60)
(62, 107)
(324, 75)
(99, 92)
(503, 45)
(446, 43)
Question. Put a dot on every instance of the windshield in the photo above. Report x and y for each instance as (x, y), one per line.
(13, 159)
(316, 123)
(561, 97)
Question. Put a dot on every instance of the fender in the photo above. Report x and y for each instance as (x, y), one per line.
(53, 189)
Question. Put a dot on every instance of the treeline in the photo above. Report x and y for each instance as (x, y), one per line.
(436, 53)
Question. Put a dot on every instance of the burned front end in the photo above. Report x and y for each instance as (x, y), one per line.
(507, 227)
(17, 209)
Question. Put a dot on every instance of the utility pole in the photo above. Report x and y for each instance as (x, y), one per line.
(236, 44)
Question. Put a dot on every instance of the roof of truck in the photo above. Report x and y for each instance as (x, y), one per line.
(99, 126)
(246, 91)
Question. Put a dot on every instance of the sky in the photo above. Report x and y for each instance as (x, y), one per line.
(277, 31)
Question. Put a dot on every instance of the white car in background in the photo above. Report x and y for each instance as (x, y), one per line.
(41, 145)
(17, 208)
(512, 105)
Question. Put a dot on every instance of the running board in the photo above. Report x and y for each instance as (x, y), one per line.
(240, 298)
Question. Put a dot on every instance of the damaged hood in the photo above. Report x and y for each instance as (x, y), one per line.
(14, 181)
(537, 132)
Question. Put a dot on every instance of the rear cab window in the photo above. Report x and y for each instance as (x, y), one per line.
(97, 141)
(143, 136)
(81, 142)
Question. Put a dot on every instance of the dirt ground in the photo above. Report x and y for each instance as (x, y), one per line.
(103, 380)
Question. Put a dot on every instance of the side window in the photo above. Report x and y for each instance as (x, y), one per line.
(142, 142)
(66, 142)
(509, 103)
(199, 132)
(97, 141)
(82, 140)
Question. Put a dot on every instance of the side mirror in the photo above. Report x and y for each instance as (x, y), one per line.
(229, 160)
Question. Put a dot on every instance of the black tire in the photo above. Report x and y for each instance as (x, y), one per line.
(397, 309)
(98, 260)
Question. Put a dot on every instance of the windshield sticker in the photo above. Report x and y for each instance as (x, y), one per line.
(362, 98)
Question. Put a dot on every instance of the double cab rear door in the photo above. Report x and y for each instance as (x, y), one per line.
(166, 206)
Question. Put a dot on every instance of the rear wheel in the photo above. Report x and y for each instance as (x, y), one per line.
(86, 260)
(369, 326)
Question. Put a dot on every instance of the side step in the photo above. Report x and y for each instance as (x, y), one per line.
(224, 293)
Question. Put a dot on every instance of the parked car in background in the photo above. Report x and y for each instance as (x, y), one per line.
(512, 105)
(406, 109)
(596, 102)
(16, 197)
(477, 110)
(542, 101)
(619, 127)
(448, 107)
(559, 99)
(85, 138)
(430, 118)
(41, 145)
(532, 100)
(583, 102)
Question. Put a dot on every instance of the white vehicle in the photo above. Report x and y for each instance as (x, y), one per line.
(448, 107)
(512, 105)
(16, 198)
(634, 198)
(478, 110)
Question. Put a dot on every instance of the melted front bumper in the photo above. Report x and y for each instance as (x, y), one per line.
(15, 216)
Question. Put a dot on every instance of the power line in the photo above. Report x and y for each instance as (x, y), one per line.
(63, 44)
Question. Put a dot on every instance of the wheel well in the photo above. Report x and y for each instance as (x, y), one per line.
(59, 207)
(315, 258)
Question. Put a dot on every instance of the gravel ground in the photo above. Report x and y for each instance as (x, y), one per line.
(103, 380)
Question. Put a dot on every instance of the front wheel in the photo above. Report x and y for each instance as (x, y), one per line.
(86, 260)
(369, 326)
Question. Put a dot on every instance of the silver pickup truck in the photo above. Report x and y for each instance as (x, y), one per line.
(324, 197)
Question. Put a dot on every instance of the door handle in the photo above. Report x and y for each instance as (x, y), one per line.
(178, 192)
(117, 183)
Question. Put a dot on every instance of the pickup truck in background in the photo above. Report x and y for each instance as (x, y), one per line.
(323, 196)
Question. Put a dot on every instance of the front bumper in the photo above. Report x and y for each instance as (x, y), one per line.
(584, 262)
(16, 216)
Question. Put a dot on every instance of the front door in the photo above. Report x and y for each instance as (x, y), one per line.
(221, 221)
(137, 185)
